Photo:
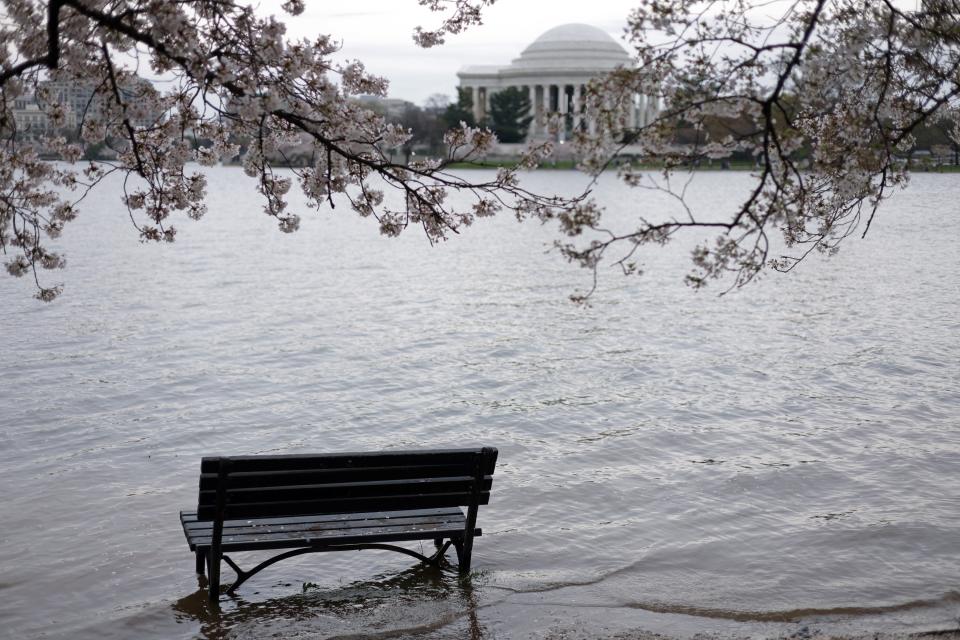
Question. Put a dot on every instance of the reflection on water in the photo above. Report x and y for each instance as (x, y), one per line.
(779, 455)
(415, 601)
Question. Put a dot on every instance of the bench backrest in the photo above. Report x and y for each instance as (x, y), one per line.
(288, 485)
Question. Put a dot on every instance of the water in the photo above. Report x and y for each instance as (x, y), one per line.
(782, 457)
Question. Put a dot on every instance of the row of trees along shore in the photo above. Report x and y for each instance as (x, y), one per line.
(933, 146)
(827, 96)
(509, 120)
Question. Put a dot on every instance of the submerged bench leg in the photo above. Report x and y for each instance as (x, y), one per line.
(201, 561)
(463, 560)
(213, 574)
(465, 549)
(466, 555)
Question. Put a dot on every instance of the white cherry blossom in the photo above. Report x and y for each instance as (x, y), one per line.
(232, 79)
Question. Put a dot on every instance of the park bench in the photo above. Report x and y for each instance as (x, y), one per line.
(336, 502)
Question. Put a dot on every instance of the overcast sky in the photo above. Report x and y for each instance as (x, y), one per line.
(378, 32)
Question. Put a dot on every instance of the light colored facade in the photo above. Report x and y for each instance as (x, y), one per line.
(554, 71)
(81, 102)
(81, 97)
(32, 122)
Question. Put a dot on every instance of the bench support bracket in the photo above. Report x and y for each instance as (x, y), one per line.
(243, 576)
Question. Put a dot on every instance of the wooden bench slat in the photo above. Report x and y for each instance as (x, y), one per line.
(344, 460)
(343, 505)
(434, 523)
(208, 481)
(189, 518)
(435, 529)
(244, 527)
(385, 488)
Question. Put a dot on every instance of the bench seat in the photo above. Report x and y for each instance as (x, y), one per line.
(330, 529)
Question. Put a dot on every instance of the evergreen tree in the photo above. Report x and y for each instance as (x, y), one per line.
(460, 111)
(510, 114)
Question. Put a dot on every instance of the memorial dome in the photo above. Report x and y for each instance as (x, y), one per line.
(554, 72)
(573, 46)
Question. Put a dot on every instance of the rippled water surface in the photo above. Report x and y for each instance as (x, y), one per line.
(784, 456)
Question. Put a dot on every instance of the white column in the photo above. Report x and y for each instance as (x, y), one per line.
(547, 109)
(486, 101)
(591, 126)
(632, 116)
(563, 107)
(642, 111)
(543, 106)
(653, 108)
(475, 96)
(576, 107)
(532, 113)
(547, 105)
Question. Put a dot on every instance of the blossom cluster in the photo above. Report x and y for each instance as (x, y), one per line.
(822, 99)
(236, 88)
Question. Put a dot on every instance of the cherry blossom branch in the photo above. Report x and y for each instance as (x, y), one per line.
(238, 83)
(826, 114)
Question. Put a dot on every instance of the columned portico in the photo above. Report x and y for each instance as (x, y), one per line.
(553, 72)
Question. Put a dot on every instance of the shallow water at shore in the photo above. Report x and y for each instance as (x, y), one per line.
(780, 458)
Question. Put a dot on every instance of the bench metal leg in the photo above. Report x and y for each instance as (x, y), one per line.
(201, 561)
(213, 573)
(441, 550)
(465, 562)
(466, 555)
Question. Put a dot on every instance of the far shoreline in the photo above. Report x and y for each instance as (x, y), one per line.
(571, 165)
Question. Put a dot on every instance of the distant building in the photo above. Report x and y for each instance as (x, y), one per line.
(553, 71)
(80, 101)
(83, 100)
(33, 123)
(391, 108)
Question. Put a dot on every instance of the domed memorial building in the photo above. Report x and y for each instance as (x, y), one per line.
(553, 71)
